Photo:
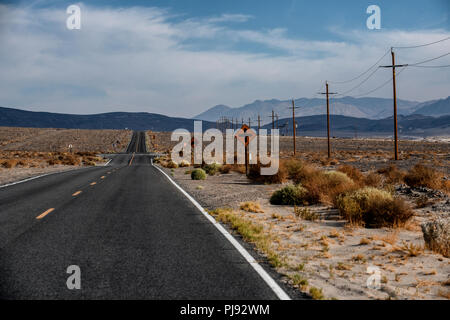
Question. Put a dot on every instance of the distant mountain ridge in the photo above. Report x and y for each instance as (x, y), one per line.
(370, 108)
(343, 126)
(115, 120)
(412, 125)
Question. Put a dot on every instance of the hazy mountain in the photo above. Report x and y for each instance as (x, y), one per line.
(435, 108)
(411, 125)
(343, 126)
(370, 108)
(115, 120)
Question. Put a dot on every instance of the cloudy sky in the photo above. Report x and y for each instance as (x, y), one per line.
(180, 57)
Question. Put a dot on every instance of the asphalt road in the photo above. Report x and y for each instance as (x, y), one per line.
(131, 232)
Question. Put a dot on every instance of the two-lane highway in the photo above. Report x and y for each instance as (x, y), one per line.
(130, 231)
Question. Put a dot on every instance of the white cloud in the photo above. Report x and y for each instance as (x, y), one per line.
(139, 59)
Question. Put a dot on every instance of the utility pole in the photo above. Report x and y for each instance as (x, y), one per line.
(328, 93)
(393, 66)
(249, 123)
(259, 123)
(273, 120)
(293, 122)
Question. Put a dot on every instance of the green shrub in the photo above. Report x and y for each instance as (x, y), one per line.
(198, 174)
(290, 195)
(212, 169)
(336, 178)
(374, 208)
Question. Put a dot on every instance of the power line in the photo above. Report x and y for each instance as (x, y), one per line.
(422, 62)
(423, 45)
(379, 87)
(446, 66)
(360, 84)
(365, 72)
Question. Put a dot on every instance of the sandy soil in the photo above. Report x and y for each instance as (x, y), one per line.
(328, 253)
(365, 153)
(58, 140)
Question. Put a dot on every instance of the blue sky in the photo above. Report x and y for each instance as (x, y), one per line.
(181, 57)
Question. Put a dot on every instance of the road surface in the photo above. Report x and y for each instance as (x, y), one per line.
(130, 231)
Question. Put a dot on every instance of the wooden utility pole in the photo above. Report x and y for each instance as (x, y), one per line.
(293, 123)
(272, 116)
(259, 123)
(328, 93)
(393, 66)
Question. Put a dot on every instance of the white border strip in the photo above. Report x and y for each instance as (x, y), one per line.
(32, 178)
(264, 275)
(47, 174)
(107, 162)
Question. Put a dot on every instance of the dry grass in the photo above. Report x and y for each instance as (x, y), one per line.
(412, 250)
(305, 214)
(255, 175)
(392, 174)
(251, 207)
(372, 207)
(423, 176)
(251, 232)
(9, 160)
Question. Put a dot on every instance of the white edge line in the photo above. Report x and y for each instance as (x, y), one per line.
(29, 179)
(264, 275)
(44, 175)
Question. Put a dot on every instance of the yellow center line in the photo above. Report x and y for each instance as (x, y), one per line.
(131, 161)
(93, 183)
(45, 213)
(76, 193)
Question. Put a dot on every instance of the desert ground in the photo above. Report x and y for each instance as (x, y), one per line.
(364, 153)
(313, 246)
(27, 152)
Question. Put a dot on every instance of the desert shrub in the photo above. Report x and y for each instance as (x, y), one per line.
(89, 163)
(225, 169)
(212, 169)
(373, 179)
(393, 174)
(335, 178)
(299, 171)
(324, 187)
(373, 207)
(198, 174)
(353, 173)
(251, 207)
(53, 162)
(254, 173)
(422, 176)
(290, 195)
(305, 213)
(184, 164)
(172, 165)
(239, 168)
(9, 164)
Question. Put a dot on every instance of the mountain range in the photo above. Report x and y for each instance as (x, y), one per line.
(414, 124)
(115, 120)
(369, 108)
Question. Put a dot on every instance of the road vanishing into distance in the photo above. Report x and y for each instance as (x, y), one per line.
(131, 232)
